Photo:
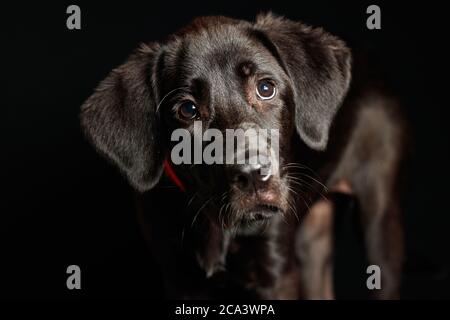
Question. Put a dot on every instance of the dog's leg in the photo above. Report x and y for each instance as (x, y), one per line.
(211, 247)
(314, 248)
(371, 164)
(384, 241)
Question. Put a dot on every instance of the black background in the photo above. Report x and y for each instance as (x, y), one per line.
(62, 204)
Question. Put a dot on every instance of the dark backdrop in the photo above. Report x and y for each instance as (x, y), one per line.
(62, 204)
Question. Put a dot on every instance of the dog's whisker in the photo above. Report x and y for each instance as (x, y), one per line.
(283, 215)
(303, 183)
(293, 209)
(316, 177)
(168, 94)
(190, 201)
(223, 222)
(299, 166)
(199, 210)
(301, 196)
(308, 176)
(292, 191)
(222, 207)
(220, 212)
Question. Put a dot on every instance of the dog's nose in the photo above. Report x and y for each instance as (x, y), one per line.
(249, 176)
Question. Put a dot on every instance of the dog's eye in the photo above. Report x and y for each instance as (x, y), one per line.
(188, 110)
(265, 89)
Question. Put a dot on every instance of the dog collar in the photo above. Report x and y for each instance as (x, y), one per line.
(170, 173)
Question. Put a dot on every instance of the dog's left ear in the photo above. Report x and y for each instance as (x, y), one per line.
(120, 119)
(319, 66)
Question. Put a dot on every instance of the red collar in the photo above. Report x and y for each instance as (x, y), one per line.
(170, 173)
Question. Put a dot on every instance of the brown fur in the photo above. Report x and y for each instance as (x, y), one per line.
(352, 142)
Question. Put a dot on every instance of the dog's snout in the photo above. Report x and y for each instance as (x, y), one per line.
(252, 176)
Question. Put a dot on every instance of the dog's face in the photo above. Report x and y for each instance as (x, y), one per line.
(226, 74)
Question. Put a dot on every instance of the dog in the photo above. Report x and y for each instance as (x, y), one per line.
(223, 230)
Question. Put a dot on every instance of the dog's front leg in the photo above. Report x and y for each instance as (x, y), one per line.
(384, 243)
(211, 248)
(314, 249)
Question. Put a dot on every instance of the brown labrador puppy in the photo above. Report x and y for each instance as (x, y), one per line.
(226, 231)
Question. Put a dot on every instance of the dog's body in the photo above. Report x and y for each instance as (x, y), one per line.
(209, 242)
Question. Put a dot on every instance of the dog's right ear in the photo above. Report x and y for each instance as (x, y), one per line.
(120, 119)
(319, 66)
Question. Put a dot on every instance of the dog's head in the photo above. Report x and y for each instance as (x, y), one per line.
(214, 75)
